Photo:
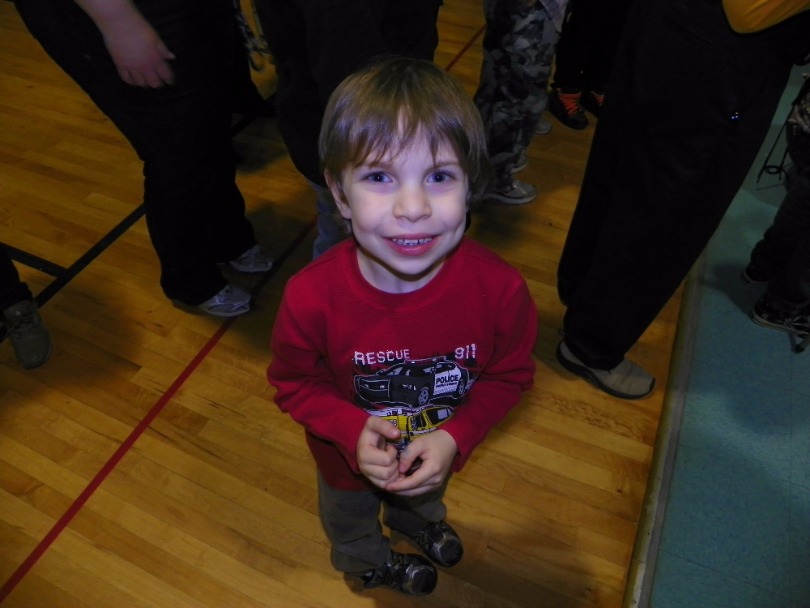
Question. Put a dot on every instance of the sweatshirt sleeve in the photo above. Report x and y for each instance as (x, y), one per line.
(508, 373)
(749, 16)
(305, 386)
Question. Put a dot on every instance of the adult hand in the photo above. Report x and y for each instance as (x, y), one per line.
(139, 54)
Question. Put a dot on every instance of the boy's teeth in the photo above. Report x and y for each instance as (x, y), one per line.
(411, 242)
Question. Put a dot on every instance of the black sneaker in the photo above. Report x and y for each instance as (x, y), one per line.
(769, 312)
(592, 102)
(440, 543)
(566, 106)
(28, 334)
(405, 572)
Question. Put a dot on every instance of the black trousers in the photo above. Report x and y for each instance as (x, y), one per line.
(194, 210)
(690, 104)
(318, 43)
(784, 251)
(12, 290)
(588, 42)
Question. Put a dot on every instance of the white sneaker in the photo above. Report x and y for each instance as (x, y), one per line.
(516, 193)
(543, 126)
(230, 301)
(255, 259)
(522, 163)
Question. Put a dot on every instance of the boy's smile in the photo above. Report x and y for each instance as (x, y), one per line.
(407, 212)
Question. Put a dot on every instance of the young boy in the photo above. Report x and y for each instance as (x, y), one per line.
(399, 349)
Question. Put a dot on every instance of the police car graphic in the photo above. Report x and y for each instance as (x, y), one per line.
(416, 383)
(412, 423)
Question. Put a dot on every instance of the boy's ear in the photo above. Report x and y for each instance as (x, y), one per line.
(339, 196)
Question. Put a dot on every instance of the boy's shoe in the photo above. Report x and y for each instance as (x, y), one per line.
(440, 542)
(230, 301)
(255, 259)
(769, 312)
(755, 276)
(625, 381)
(405, 572)
(567, 108)
(516, 193)
(592, 102)
(544, 126)
(29, 337)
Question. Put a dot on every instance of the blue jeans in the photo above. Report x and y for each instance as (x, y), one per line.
(194, 210)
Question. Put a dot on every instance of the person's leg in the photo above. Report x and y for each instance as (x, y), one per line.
(771, 257)
(572, 50)
(663, 169)
(361, 550)
(12, 289)
(512, 94)
(352, 525)
(569, 82)
(410, 27)
(410, 514)
(331, 226)
(784, 252)
(194, 210)
(20, 318)
(604, 23)
(421, 518)
(316, 45)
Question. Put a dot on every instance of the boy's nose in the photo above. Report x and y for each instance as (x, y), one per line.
(412, 203)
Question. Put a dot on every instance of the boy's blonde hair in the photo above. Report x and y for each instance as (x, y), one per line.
(382, 108)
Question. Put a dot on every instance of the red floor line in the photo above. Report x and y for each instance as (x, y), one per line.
(465, 48)
(108, 467)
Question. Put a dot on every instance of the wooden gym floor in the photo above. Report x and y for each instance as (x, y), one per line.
(146, 465)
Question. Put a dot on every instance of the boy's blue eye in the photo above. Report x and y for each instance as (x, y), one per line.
(440, 177)
(377, 177)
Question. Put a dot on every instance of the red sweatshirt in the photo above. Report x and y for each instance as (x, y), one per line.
(456, 353)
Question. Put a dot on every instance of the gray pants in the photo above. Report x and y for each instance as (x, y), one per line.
(351, 521)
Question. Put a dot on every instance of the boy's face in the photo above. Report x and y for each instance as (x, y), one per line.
(407, 214)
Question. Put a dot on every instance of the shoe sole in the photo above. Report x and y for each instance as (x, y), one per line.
(499, 198)
(777, 326)
(250, 269)
(520, 167)
(545, 130)
(198, 310)
(586, 374)
(747, 278)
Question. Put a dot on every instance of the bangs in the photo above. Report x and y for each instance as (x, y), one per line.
(382, 110)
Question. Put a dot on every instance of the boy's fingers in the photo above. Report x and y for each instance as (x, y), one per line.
(383, 427)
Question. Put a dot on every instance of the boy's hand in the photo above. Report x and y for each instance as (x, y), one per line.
(376, 458)
(436, 452)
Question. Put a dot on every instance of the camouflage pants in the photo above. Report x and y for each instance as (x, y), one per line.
(512, 94)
